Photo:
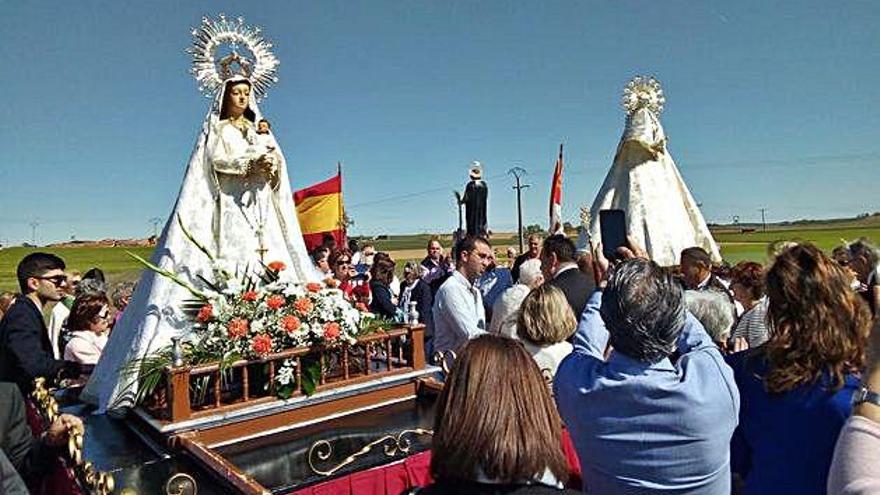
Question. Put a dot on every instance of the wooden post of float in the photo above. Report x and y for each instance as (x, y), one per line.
(178, 392)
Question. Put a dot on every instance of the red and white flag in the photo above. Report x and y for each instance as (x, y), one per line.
(556, 198)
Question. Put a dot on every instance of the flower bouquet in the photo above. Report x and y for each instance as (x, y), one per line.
(250, 314)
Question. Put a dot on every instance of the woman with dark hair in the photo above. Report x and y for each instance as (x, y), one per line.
(496, 430)
(747, 285)
(795, 389)
(381, 276)
(321, 259)
(340, 264)
(88, 323)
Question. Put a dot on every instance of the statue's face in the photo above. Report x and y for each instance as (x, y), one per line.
(237, 99)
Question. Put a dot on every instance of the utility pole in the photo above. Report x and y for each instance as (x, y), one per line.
(34, 226)
(155, 221)
(763, 221)
(518, 173)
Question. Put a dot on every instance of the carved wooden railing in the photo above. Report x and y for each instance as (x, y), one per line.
(249, 382)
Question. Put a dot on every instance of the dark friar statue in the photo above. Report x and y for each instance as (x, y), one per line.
(476, 195)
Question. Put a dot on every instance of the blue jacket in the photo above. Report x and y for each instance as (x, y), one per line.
(644, 428)
(784, 442)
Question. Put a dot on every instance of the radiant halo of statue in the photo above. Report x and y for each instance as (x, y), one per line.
(643, 91)
(261, 68)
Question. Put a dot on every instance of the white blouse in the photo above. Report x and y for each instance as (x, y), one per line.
(85, 347)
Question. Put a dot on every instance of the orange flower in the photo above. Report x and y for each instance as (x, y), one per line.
(290, 323)
(237, 328)
(331, 282)
(275, 301)
(205, 313)
(262, 344)
(250, 296)
(361, 307)
(314, 287)
(303, 305)
(276, 266)
(331, 330)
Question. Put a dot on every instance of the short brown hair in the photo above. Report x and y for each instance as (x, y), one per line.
(85, 309)
(545, 317)
(818, 324)
(495, 416)
(751, 276)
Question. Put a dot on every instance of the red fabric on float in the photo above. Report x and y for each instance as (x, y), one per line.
(415, 470)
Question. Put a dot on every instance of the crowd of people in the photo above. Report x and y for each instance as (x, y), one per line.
(747, 379)
(666, 380)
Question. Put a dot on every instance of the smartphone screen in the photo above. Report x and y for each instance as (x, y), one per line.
(613, 229)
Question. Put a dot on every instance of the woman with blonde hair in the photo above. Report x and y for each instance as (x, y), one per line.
(545, 322)
(795, 389)
(496, 429)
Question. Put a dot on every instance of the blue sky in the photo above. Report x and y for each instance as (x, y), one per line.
(769, 105)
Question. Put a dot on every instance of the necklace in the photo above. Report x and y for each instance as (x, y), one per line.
(240, 123)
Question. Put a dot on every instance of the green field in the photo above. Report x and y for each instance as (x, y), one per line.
(735, 246)
(117, 265)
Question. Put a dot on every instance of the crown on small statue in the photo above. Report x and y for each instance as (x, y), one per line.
(643, 92)
(260, 68)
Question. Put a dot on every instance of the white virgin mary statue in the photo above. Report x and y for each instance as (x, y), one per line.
(661, 215)
(236, 201)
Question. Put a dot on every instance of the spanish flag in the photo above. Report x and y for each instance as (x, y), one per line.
(320, 211)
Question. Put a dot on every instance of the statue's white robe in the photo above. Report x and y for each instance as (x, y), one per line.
(223, 210)
(661, 215)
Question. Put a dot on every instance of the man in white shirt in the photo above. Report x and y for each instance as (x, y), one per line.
(458, 311)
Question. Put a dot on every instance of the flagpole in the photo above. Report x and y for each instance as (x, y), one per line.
(342, 206)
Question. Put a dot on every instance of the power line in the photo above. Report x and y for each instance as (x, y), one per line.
(412, 194)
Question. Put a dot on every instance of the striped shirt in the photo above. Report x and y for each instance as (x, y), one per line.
(752, 325)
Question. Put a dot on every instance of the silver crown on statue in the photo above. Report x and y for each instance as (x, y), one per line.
(643, 91)
(260, 66)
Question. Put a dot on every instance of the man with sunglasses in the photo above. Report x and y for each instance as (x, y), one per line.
(25, 348)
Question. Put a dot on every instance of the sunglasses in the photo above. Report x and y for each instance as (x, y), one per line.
(57, 280)
(343, 262)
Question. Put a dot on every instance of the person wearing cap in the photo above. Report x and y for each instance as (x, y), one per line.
(476, 193)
